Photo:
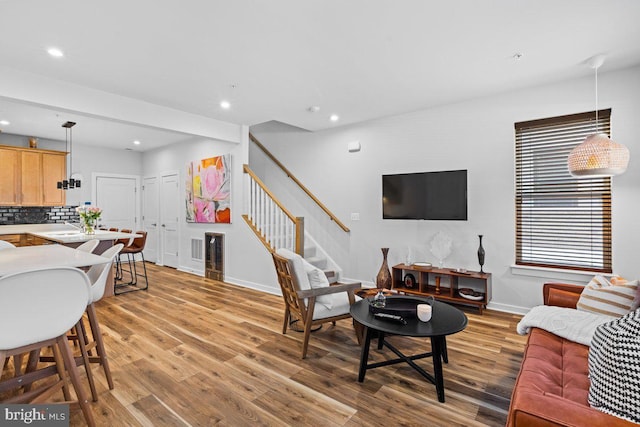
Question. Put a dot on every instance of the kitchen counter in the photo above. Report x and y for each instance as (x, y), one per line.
(62, 233)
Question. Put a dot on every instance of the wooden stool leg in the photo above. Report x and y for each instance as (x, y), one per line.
(72, 369)
(97, 337)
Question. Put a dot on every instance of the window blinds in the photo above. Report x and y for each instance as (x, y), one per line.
(561, 221)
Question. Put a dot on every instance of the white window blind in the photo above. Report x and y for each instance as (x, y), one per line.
(561, 221)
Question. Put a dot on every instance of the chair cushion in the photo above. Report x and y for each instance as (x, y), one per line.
(308, 276)
(339, 305)
(614, 367)
(298, 267)
(613, 297)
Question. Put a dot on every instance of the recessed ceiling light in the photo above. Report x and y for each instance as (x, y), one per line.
(5, 122)
(55, 52)
(334, 118)
(136, 142)
(225, 104)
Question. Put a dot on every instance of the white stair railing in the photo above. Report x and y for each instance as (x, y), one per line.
(272, 223)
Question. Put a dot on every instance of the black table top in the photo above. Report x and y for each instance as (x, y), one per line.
(445, 319)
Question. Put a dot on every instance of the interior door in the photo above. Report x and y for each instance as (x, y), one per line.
(169, 205)
(117, 197)
(150, 217)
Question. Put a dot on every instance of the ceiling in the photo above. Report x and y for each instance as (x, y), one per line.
(272, 60)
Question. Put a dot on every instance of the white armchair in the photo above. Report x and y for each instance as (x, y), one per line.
(308, 296)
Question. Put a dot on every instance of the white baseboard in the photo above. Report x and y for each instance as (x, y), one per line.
(507, 308)
(238, 282)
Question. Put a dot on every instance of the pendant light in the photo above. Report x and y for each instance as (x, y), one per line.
(70, 183)
(597, 155)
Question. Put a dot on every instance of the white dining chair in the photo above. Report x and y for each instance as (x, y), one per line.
(41, 306)
(88, 246)
(6, 245)
(98, 275)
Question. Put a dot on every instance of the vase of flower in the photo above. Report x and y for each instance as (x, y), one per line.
(383, 279)
(89, 216)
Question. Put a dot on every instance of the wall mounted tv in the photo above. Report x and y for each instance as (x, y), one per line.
(425, 195)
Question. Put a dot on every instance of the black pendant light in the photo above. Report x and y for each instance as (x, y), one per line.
(70, 183)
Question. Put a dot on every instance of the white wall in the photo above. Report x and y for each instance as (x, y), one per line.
(477, 135)
(247, 262)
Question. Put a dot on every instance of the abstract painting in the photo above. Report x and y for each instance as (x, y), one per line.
(208, 186)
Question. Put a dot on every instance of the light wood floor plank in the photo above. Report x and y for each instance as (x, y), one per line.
(193, 351)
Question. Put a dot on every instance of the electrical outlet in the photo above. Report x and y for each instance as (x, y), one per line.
(355, 216)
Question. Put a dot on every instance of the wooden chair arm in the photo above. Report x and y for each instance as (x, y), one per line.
(333, 289)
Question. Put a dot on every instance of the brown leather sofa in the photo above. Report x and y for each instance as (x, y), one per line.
(553, 384)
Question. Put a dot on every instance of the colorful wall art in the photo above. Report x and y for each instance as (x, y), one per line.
(208, 186)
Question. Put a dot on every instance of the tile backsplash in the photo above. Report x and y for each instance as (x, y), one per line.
(10, 215)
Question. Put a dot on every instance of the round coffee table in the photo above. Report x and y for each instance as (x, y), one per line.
(445, 320)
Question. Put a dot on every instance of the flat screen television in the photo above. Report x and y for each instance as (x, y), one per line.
(425, 195)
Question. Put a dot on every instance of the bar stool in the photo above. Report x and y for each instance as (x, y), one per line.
(125, 242)
(88, 246)
(41, 306)
(135, 248)
(98, 275)
(6, 245)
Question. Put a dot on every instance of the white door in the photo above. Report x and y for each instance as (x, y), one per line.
(169, 205)
(150, 217)
(117, 196)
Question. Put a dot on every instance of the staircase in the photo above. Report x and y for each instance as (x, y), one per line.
(276, 227)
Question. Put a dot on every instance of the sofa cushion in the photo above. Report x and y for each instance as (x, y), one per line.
(614, 367)
(555, 365)
(613, 297)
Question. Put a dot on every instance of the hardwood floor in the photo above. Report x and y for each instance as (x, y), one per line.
(192, 351)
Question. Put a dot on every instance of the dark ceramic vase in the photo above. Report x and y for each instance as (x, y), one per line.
(383, 279)
(480, 254)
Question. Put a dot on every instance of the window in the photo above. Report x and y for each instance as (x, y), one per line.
(561, 221)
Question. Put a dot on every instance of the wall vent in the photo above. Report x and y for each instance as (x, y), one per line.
(197, 249)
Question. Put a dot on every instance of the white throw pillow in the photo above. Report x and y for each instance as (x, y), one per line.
(613, 297)
(308, 276)
(317, 279)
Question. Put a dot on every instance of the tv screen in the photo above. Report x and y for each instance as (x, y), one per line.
(425, 195)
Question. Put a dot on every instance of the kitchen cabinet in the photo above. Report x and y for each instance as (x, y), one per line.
(29, 177)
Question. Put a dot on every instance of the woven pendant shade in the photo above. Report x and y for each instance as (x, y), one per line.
(598, 156)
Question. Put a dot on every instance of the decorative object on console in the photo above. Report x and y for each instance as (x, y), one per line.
(70, 183)
(441, 247)
(469, 293)
(409, 280)
(480, 254)
(89, 216)
(597, 155)
(383, 279)
(409, 259)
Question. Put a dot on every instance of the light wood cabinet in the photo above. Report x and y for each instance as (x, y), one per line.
(29, 177)
(53, 170)
(9, 177)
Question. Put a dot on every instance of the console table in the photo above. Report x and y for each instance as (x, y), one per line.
(443, 284)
